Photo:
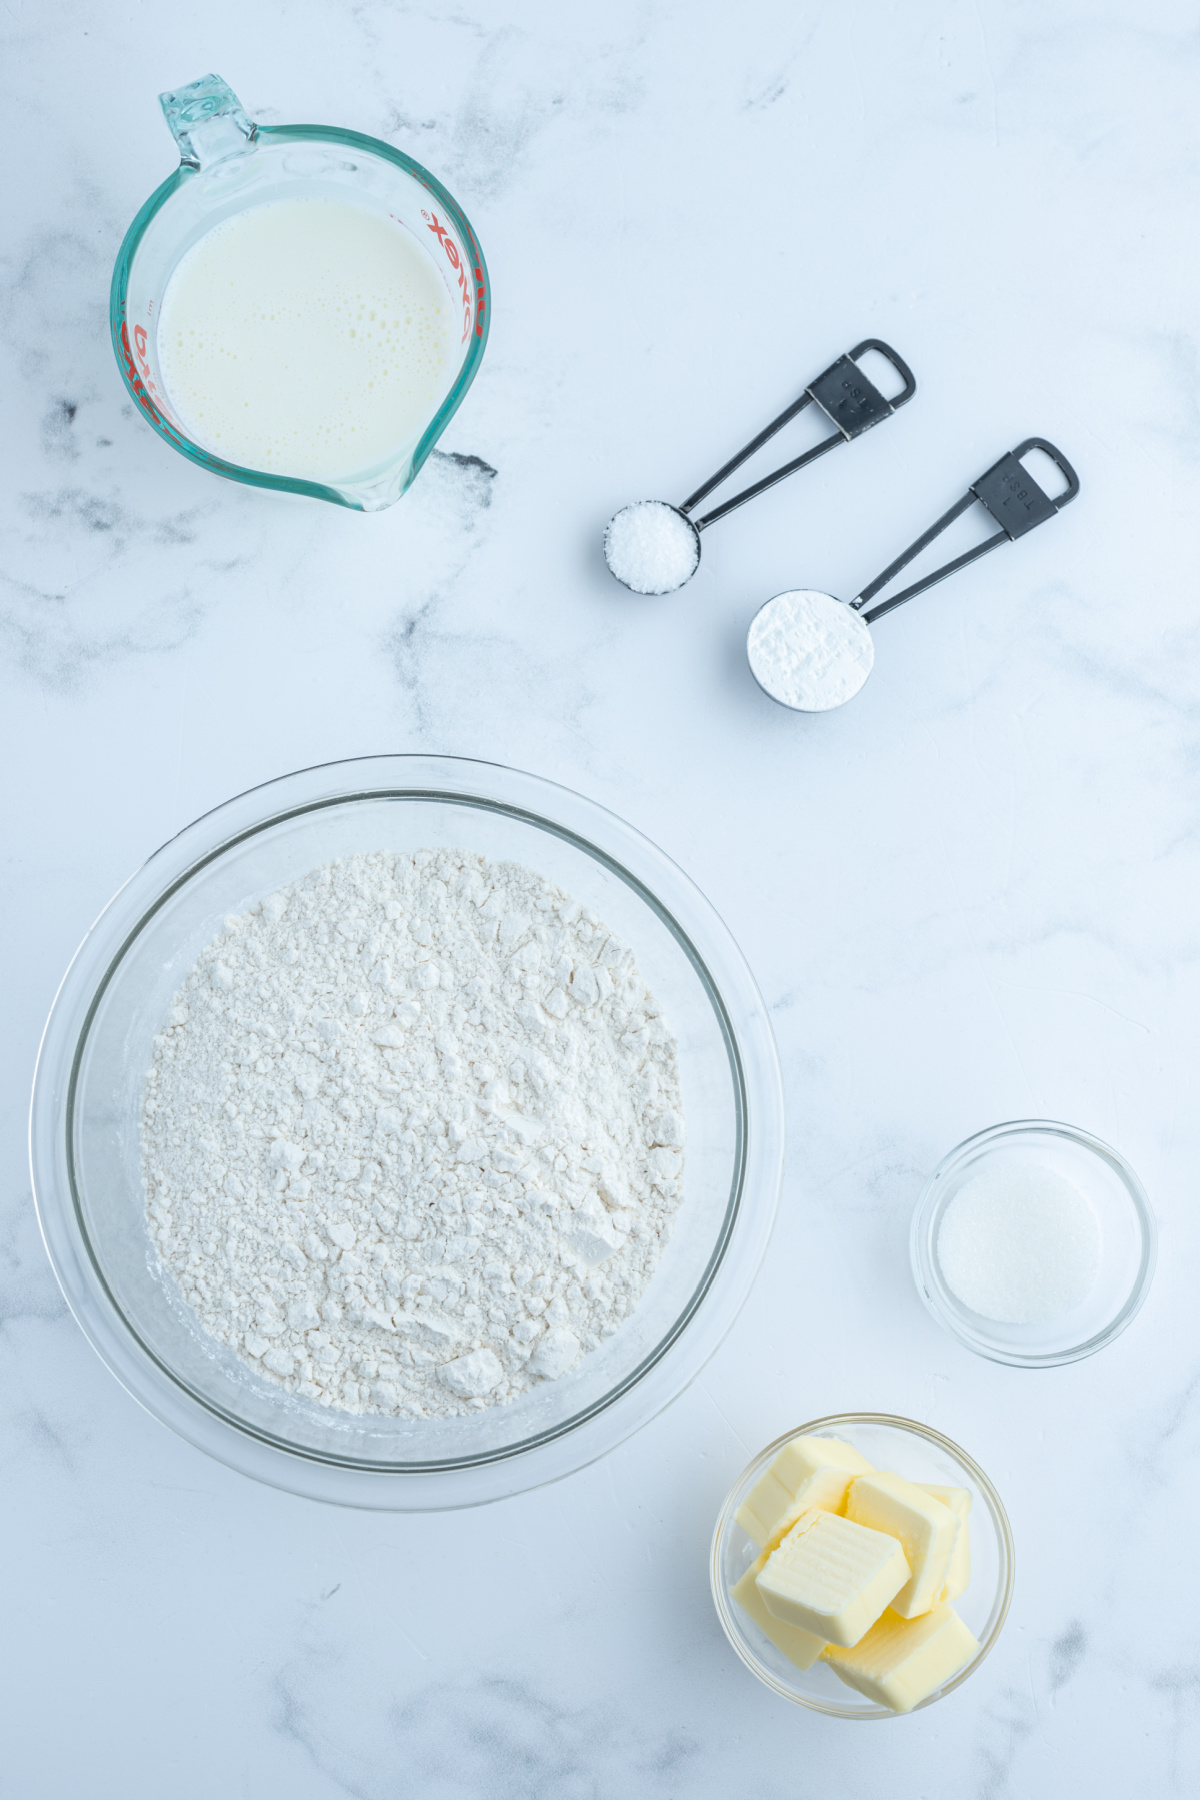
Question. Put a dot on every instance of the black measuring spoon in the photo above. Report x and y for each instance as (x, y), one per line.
(653, 547)
(812, 652)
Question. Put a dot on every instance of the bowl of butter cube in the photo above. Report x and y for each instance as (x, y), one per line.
(862, 1565)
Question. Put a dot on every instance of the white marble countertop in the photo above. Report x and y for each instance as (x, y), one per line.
(969, 896)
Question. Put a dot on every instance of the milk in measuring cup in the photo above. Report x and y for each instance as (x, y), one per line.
(309, 338)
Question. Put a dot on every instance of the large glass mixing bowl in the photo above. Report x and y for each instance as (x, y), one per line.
(85, 1141)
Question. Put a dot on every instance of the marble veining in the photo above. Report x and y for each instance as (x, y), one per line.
(968, 896)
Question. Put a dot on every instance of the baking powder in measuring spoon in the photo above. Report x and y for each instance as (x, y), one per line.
(809, 651)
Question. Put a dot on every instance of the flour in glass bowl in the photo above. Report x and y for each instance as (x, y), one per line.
(411, 1136)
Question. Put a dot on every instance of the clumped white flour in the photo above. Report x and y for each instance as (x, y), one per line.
(412, 1137)
(651, 547)
(809, 651)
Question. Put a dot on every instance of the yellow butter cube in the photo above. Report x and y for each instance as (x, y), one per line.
(799, 1646)
(900, 1662)
(832, 1577)
(810, 1471)
(958, 1569)
(925, 1526)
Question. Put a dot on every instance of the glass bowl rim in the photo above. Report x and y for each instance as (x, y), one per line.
(942, 1306)
(206, 459)
(737, 1250)
(847, 1421)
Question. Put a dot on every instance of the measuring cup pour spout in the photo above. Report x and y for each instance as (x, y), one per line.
(812, 652)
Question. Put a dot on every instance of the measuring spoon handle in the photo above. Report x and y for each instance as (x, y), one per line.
(1012, 497)
(844, 394)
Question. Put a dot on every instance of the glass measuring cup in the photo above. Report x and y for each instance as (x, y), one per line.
(227, 164)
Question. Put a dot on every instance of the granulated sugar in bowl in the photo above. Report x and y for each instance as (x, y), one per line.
(1033, 1243)
(281, 1257)
(1019, 1246)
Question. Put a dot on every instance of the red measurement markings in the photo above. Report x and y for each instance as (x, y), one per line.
(137, 368)
(473, 304)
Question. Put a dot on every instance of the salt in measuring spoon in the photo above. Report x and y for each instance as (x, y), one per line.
(812, 652)
(653, 547)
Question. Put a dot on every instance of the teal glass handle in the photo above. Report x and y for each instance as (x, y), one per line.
(207, 121)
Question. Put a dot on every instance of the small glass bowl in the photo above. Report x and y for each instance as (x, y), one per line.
(1128, 1243)
(920, 1454)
